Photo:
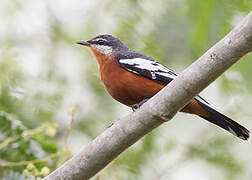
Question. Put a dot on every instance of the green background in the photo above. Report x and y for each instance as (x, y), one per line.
(43, 74)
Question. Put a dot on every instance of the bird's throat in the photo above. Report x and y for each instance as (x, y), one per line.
(100, 57)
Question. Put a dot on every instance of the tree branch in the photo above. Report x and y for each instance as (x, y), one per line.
(162, 107)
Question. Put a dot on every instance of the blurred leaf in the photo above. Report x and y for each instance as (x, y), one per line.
(216, 151)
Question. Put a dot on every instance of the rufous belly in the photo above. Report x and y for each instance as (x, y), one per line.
(127, 87)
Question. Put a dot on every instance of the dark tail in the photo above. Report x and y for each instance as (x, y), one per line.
(225, 122)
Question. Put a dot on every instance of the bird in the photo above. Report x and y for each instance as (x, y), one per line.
(132, 78)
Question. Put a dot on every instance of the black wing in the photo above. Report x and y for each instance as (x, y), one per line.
(145, 66)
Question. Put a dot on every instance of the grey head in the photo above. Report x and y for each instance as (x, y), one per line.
(105, 44)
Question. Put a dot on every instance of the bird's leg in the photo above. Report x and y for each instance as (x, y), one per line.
(138, 105)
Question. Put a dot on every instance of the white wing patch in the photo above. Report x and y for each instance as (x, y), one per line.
(98, 39)
(153, 67)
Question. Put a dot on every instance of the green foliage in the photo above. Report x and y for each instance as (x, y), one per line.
(216, 152)
(43, 73)
(19, 144)
(10, 76)
(10, 126)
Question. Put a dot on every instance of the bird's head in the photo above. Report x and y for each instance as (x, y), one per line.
(105, 44)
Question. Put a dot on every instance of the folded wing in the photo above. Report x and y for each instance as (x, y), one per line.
(146, 67)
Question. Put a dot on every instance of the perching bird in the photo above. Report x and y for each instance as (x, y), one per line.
(132, 78)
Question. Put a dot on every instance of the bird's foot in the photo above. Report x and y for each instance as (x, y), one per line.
(138, 105)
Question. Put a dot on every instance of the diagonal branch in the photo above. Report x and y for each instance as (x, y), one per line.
(162, 107)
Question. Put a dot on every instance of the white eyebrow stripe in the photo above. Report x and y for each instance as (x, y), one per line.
(98, 39)
(154, 67)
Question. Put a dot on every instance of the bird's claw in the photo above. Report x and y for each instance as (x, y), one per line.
(136, 106)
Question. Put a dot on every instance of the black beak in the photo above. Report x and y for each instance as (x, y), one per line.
(84, 43)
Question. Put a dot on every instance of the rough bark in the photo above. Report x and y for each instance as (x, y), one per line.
(162, 107)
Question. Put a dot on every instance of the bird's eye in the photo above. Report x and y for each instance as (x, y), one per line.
(100, 42)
